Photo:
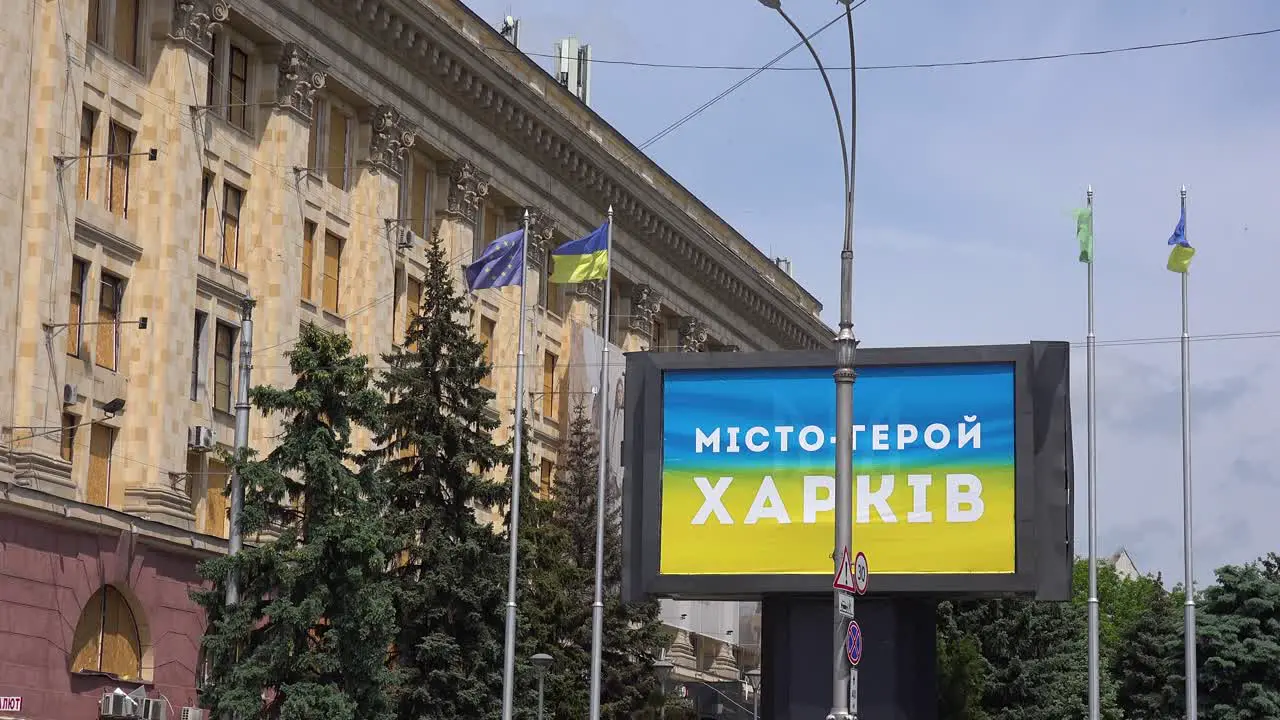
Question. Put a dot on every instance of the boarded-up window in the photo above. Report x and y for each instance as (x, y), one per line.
(419, 196)
(223, 342)
(232, 199)
(75, 313)
(546, 477)
(127, 20)
(69, 427)
(412, 302)
(208, 213)
(313, 137)
(88, 124)
(332, 271)
(106, 638)
(215, 499)
(549, 386)
(238, 87)
(308, 258)
(119, 145)
(213, 83)
(94, 33)
(338, 147)
(195, 474)
(551, 295)
(107, 348)
(197, 349)
(488, 225)
(98, 485)
(487, 327)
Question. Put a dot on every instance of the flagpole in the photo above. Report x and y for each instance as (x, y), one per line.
(597, 604)
(513, 528)
(1095, 699)
(1188, 570)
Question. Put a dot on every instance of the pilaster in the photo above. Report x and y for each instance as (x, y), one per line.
(299, 75)
(194, 22)
(693, 335)
(645, 302)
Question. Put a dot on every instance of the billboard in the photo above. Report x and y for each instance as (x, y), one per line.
(962, 475)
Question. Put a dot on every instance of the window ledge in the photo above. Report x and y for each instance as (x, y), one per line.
(109, 240)
(307, 305)
(113, 677)
(333, 318)
(224, 415)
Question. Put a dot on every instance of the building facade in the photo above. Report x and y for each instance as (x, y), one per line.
(175, 158)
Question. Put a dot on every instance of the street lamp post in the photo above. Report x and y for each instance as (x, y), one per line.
(846, 347)
(753, 679)
(662, 668)
(541, 663)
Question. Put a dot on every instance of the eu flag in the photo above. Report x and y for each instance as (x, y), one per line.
(501, 264)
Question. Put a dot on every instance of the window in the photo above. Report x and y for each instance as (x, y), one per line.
(549, 386)
(332, 271)
(88, 124)
(232, 199)
(546, 477)
(124, 18)
(69, 423)
(208, 212)
(215, 499)
(487, 327)
(102, 440)
(75, 313)
(308, 255)
(551, 295)
(110, 295)
(412, 303)
(339, 147)
(119, 145)
(419, 195)
(197, 349)
(238, 87)
(106, 638)
(227, 85)
(488, 225)
(224, 341)
(313, 135)
(211, 81)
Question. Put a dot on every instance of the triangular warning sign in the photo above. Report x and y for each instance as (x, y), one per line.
(844, 576)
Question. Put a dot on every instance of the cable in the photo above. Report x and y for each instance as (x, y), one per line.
(725, 93)
(921, 66)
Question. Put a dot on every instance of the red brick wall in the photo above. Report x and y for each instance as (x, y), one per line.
(47, 573)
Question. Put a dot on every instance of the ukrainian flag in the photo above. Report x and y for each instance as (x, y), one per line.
(582, 259)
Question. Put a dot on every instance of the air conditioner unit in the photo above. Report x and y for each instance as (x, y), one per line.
(154, 709)
(193, 713)
(70, 394)
(408, 240)
(200, 438)
(116, 704)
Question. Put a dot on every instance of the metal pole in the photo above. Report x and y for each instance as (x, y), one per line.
(234, 541)
(513, 529)
(541, 681)
(844, 376)
(1095, 699)
(755, 704)
(597, 603)
(1188, 570)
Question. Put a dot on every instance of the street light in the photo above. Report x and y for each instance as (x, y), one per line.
(541, 663)
(753, 679)
(662, 668)
(846, 346)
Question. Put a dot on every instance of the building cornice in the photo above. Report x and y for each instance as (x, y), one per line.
(422, 39)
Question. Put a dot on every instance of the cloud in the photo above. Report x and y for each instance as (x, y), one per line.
(1143, 399)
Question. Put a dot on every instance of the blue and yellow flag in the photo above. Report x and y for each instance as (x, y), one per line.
(582, 259)
(1182, 252)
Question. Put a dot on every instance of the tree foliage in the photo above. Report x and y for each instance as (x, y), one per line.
(1239, 644)
(437, 448)
(308, 637)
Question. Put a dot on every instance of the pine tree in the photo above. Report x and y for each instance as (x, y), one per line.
(308, 637)
(437, 448)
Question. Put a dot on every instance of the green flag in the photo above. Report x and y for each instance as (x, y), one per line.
(1084, 233)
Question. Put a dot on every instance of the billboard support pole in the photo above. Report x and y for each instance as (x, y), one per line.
(602, 463)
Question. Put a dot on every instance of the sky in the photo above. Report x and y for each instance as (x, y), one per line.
(965, 184)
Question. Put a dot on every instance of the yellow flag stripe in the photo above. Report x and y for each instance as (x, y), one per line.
(580, 268)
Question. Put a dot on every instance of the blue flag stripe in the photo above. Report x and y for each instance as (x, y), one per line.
(597, 241)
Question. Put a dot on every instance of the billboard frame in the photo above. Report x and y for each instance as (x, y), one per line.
(1043, 476)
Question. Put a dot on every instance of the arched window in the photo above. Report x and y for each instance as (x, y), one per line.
(106, 638)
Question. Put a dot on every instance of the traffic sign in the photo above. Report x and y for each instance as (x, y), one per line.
(846, 605)
(860, 574)
(844, 576)
(853, 643)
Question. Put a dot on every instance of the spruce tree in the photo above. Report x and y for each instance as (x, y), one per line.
(562, 542)
(308, 637)
(437, 450)
(1148, 661)
(1240, 643)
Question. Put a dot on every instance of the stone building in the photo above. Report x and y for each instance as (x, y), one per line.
(170, 159)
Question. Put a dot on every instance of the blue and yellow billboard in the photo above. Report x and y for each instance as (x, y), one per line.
(731, 471)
